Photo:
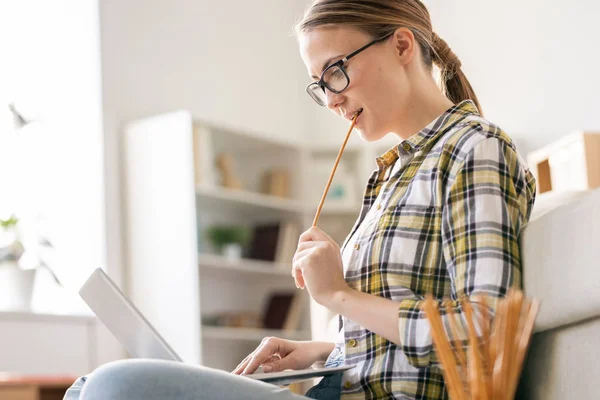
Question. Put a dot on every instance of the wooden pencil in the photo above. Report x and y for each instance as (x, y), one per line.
(337, 161)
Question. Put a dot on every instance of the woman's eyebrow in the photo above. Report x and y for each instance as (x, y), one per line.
(327, 63)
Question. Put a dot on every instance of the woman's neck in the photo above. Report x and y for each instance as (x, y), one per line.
(425, 105)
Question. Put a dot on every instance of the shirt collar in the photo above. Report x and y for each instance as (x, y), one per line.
(435, 128)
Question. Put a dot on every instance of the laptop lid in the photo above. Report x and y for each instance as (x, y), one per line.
(123, 319)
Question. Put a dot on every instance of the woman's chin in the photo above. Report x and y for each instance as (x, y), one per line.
(366, 136)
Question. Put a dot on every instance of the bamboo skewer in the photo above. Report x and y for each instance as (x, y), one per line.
(494, 356)
(444, 352)
(498, 350)
(515, 301)
(460, 352)
(486, 328)
(476, 369)
(337, 161)
(523, 343)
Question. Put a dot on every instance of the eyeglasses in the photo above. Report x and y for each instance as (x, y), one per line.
(335, 78)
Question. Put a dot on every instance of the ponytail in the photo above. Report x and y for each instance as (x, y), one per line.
(455, 84)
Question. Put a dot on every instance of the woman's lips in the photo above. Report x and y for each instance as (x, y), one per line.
(350, 117)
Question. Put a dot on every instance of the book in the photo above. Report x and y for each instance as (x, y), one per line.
(275, 242)
(277, 309)
(203, 156)
(263, 245)
(288, 245)
(295, 313)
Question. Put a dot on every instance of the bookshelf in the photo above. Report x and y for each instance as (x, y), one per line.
(173, 192)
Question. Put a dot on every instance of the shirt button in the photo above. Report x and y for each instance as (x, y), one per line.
(356, 246)
(348, 384)
(406, 147)
(352, 343)
(379, 206)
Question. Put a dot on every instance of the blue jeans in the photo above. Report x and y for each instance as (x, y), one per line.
(139, 379)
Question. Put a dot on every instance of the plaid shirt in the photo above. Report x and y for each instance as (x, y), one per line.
(441, 215)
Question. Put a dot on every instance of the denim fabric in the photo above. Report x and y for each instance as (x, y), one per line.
(152, 379)
(330, 388)
(75, 390)
(142, 379)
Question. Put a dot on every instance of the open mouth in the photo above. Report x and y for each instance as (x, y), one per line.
(355, 114)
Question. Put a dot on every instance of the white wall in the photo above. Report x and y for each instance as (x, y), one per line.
(235, 63)
(231, 62)
(533, 64)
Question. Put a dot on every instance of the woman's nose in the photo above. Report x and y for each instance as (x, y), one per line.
(333, 100)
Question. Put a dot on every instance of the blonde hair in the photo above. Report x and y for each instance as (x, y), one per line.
(379, 18)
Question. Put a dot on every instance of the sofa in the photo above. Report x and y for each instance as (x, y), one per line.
(560, 250)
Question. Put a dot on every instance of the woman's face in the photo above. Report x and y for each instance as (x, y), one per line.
(378, 82)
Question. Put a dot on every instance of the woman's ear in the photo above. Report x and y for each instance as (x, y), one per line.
(404, 44)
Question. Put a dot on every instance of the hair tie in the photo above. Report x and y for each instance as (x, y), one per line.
(445, 56)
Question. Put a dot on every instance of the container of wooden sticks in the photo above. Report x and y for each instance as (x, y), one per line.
(490, 367)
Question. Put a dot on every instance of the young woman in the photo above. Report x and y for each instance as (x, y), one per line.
(441, 216)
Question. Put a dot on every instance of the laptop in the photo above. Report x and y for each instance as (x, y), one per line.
(142, 340)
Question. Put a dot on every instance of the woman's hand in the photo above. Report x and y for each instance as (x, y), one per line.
(317, 265)
(276, 354)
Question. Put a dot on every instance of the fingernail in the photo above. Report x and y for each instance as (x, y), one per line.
(267, 368)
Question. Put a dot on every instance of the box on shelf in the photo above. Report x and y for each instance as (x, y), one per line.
(570, 163)
(276, 182)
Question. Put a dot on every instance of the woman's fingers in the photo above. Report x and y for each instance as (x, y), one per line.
(268, 348)
(315, 234)
(256, 353)
(299, 279)
(242, 365)
(296, 266)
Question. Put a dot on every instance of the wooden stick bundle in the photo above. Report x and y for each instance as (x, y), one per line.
(491, 368)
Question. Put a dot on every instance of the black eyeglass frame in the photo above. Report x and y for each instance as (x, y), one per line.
(340, 63)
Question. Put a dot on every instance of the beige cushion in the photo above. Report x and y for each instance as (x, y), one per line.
(563, 364)
(561, 258)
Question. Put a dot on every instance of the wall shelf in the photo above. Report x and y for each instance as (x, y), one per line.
(242, 201)
(217, 262)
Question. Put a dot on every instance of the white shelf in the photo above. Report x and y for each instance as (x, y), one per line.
(250, 334)
(212, 261)
(247, 202)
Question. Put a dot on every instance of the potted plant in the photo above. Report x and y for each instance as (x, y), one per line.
(229, 240)
(17, 280)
